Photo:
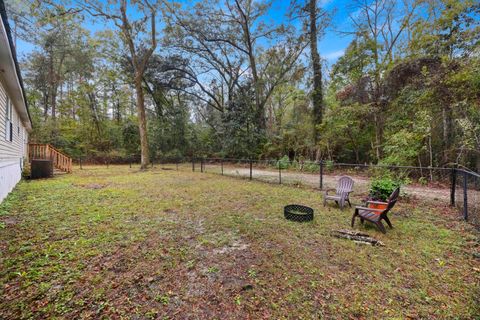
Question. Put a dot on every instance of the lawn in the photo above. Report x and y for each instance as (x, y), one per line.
(119, 243)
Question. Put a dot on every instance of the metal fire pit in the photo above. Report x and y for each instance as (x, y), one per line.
(297, 212)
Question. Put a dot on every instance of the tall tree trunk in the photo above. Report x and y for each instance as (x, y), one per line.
(447, 122)
(317, 94)
(257, 85)
(53, 96)
(142, 122)
(249, 44)
(51, 80)
(45, 105)
(378, 134)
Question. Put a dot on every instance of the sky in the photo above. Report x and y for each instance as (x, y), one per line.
(331, 45)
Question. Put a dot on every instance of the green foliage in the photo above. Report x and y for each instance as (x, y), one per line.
(283, 163)
(382, 187)
(311, 167)
(242, 135)
(329, 165)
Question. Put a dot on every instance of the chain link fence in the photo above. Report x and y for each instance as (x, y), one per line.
(444, 185)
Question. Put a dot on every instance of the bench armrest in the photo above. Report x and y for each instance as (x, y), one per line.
(370, 209)
(376, 202)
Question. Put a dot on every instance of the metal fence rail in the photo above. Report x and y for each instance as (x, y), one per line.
(450, 185)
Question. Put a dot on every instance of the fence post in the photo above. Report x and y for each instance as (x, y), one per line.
(201, 165)
(80, 163)
(321, 174)
(279, 172)
(221, 165)
(250, 169)
(193, 164)
(177, 164)
(465, 193)
(453, 185)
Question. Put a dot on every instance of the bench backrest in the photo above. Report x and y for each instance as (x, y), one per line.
(392, 200)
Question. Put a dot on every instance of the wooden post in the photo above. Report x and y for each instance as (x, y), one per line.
(221, 164)
(193, 164)
(251, 162)
(279, 172)
(453, 185)
(80, 163)
(465, 194)
(321, 174)
(201, 166)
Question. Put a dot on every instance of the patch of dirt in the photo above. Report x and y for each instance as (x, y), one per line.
(9, 221)
(236, 245)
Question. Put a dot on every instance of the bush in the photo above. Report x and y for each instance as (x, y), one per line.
(311, 167)
(423, 181)
(330, 165)
(296, 165)
(26, 172)
(381, 188)
(284, 162)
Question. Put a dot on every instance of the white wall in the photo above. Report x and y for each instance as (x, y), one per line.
(12, 153)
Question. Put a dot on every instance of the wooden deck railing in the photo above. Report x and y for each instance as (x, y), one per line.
(45, 151)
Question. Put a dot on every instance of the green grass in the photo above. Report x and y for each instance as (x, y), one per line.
(120, 243)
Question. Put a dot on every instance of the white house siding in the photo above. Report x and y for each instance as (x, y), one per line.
(12, 153)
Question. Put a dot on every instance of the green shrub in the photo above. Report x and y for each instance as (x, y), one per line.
(381, 188)
(329, 165)
(295, 165)
(311, 167)
(26, 172)
(284, 162)
(423, 181)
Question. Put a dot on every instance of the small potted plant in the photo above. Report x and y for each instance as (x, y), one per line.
(380, 190)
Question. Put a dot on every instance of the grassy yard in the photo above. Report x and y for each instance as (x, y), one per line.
(120, 243)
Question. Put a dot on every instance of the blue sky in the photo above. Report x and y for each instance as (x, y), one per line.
(331, 46)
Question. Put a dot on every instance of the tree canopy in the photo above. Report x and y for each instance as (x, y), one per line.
(170, 80)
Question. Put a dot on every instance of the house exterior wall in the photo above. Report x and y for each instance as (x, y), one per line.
(12, 153)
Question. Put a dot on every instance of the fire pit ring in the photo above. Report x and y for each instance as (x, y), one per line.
(297, 212)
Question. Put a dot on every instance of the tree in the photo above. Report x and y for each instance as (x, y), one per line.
(380, 26)
(317, 94)
(315, 20)
(241, 133)
(133, 33)
(221, 38)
